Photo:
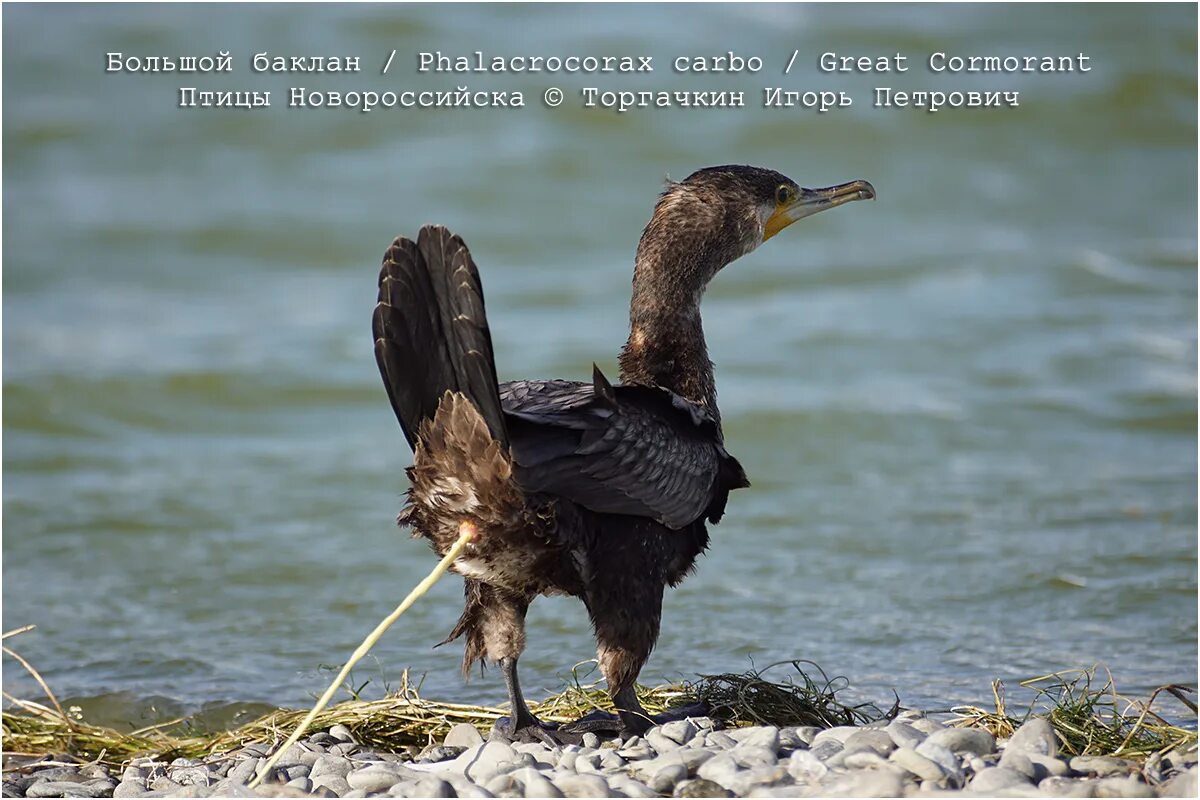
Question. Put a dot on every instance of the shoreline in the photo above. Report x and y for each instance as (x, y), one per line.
(910, 755)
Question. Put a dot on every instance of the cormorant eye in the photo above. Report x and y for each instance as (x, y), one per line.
(784, 194)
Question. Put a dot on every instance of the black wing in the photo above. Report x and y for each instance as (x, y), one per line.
(633, 450)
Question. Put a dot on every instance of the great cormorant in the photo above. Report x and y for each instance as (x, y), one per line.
(593, 490)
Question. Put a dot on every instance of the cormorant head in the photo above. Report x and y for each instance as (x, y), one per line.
(718, 214)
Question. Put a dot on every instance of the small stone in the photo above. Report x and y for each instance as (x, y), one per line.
(722, 769)
(1066, 787)
(861, 759)
(926, 725)
(750, 756)
(758, 736)
(1128, 786)
(806, 733)
(665, 779)
(637, 752)
(1102, 766)
(1182, 785)
(610, 761)
(463, 735)
(871, 783)
(62, 789)
(838, 734)
(129, 789)
(945, 759)
(660, 741)
(699, 787)
(439, 752)
(191, 776)
(502, 785)
(303, 784)
(905, 735)
(374, 778)
(680, 731)
(324, 765)
(582, 785)
(335, 783)
(164, 784)
(536, 784)
(1047, 766)
(591, 741)
(719, 739)
(342, 734)
(243, 771)
(58, 775)
(917, 764)
(789, 739)
(993, 779)
(877, 741)
(1034, 736)
(623, 784)
(965, 740)
(827, 749)
(1018, 761)
(342, 749)
(803, 765)
(228, 787)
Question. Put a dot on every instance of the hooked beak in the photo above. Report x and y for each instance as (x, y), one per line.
(811, 201)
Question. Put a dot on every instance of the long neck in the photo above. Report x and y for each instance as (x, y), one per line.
(666, 338)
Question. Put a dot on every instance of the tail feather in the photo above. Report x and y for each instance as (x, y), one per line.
(431, 332)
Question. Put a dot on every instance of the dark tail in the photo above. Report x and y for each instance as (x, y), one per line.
(431, 332)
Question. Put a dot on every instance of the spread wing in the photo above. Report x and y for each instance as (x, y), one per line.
(634, 450)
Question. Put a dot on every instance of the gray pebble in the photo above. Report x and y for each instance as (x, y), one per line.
(699, 787)
(625, 785)
(917, 764)
(591, 741)
(335, 783)
(1102, 766)
(665, 779)
(463, 735)
(342, 749)
(1066, 787)
(790, 739)
(993, 779)
(1047, 766)
(838, 734)
(719, 739)
(62, 789)
(722, 769)
(860, 759)
(303, 784)
(342, 734)
(356, 793)
(758, 736)
(324, 765)
(905, 735)
(926, 725)
(965, 740)
(165, 784)
(433, 786)
(243, 771)
(803, 765)
(502, 785)
(945, 759)
(1018, 761)
(636, 752)
(439, 752)
(825, 750)
(680, 731)
(58, 775)
(191, 776)
(1122, 787)
(1034, 736)
(870, 783)
(751, 756)
(877, 741)
(582, 785)
(660, 741)
(1182, 785)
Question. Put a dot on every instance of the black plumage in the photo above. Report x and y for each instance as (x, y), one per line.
(599, 491)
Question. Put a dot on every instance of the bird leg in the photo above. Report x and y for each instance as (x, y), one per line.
(522, 726)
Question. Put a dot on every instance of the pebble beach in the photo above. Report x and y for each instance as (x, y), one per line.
(909, 756)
